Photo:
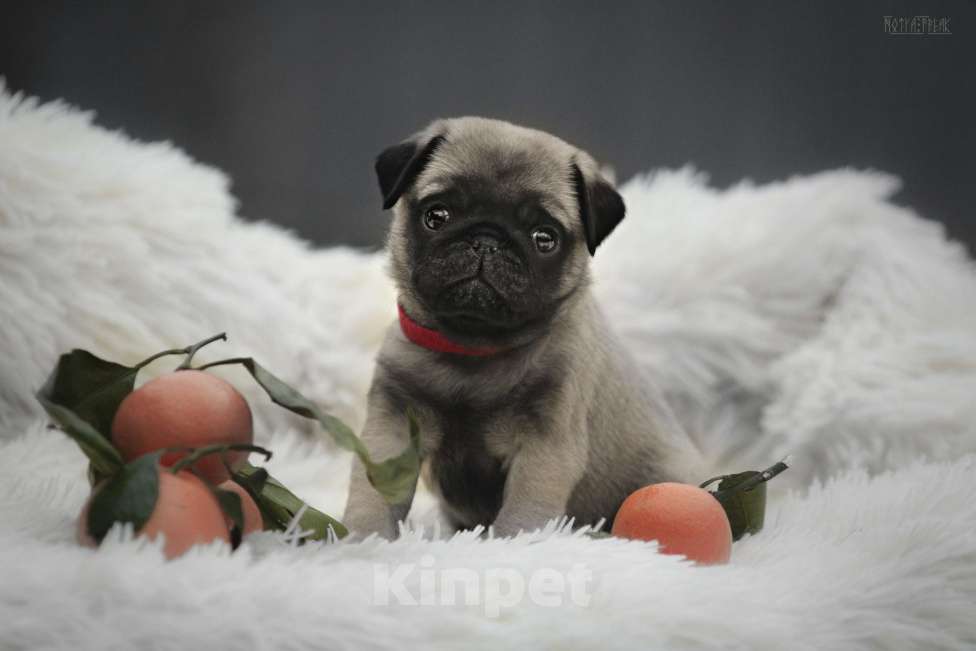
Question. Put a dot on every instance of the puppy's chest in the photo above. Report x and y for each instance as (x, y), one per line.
(473, 431)
(469, 452)
(470, 448)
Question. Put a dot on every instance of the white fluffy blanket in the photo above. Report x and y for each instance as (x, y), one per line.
(811, 317)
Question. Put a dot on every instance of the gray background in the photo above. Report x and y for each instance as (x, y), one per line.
(295, 99)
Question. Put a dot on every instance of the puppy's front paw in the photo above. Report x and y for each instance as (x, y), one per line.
(365, 522)
(508, 527)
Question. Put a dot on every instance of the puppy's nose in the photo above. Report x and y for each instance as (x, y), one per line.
(486, 241)
(485, 244)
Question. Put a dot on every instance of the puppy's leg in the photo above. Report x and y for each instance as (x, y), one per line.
(386, 434)
(539, 483)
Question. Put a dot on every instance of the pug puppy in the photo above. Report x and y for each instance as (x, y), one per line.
(529, 408)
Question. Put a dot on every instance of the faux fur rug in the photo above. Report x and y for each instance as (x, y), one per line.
(811, 317)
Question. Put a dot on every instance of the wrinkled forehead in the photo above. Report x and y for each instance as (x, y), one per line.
(512, 173)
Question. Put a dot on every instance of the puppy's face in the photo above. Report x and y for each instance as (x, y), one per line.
(494, 225)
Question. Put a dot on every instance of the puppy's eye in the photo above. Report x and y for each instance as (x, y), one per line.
(546, 239)
(436, 216)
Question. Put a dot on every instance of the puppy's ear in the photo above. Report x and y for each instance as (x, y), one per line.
(398, 166)
(601, 208)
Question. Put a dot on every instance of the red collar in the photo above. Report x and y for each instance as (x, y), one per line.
(433, 340)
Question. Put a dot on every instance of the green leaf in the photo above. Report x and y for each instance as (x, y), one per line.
(746, 509)
(91, 387)
(230, 504)
(128, 496)
(279, 505)
(251, 478)
(104, 458)
(81, 396)
(394, 478)
(96, 476)
(398, 475)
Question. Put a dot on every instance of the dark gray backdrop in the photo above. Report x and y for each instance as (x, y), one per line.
(294, 99)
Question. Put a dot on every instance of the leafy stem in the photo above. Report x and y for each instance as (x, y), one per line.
(192, 350)
(199, 453)
(224, 362)
(189, 351)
